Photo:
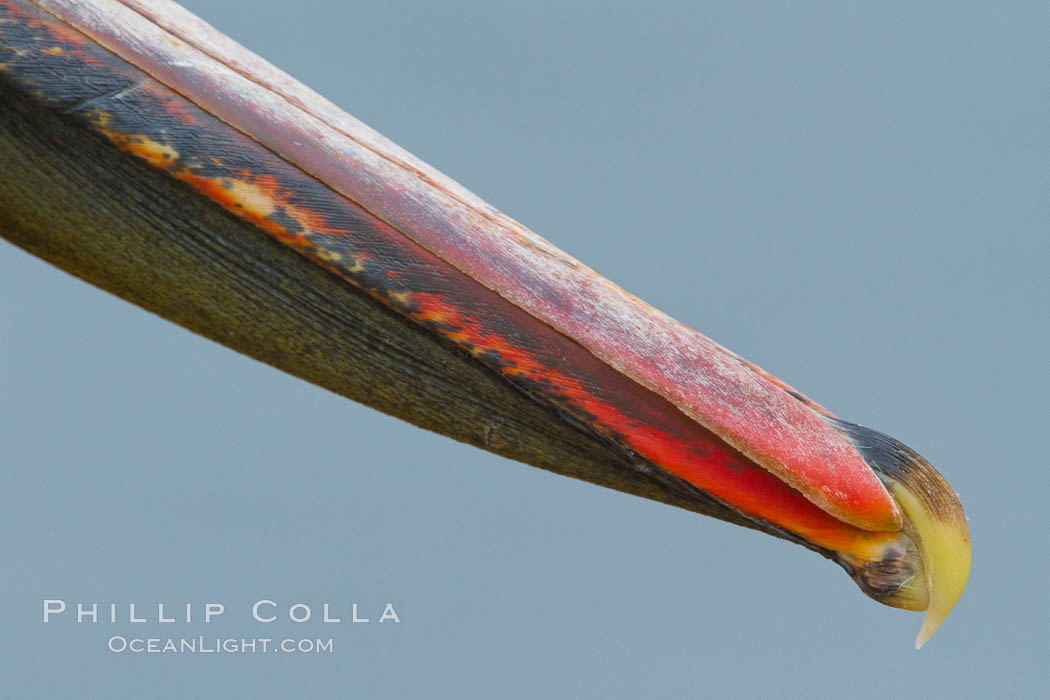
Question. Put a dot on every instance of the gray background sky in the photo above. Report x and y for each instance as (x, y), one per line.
(854, 196)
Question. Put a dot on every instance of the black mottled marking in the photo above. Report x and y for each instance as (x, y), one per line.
(25, 39)
(490, 356)
(281, 216)
(8, 55)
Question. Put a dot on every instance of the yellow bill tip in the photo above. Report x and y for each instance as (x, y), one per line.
(945, 548)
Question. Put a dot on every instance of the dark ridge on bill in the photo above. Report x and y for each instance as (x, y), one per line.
(892, 459)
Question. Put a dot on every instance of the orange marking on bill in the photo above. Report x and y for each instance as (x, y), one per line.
(728, 477)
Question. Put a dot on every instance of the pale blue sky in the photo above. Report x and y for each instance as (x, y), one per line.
(854, 196)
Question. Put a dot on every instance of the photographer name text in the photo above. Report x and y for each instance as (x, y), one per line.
(263, 610)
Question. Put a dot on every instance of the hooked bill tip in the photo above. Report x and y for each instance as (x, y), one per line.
(945, 547)
(933, 520)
